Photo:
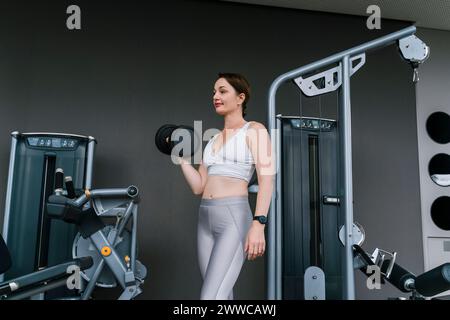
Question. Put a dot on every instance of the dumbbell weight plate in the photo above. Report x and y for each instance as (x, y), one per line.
(162, 138)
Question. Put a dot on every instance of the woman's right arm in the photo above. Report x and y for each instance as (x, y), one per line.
(195, 178)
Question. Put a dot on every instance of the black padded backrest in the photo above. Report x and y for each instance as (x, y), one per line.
(5, 257)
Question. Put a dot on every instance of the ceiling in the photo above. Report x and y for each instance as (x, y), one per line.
(433, 14)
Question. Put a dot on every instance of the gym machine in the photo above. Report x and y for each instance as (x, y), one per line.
(311, 238)
(39, 282)
(104, 254)
(112, 247)
(308, 216)
(40, 228)
(429, 284)
(34, 240)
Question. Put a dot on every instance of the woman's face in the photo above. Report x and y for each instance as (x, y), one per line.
(226, 99)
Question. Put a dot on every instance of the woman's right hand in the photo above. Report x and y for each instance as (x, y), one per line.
(195, 178)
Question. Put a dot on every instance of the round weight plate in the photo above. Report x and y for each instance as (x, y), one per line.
(84, 247)
(162, 138)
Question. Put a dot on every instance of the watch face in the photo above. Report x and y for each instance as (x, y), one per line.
(262, 219)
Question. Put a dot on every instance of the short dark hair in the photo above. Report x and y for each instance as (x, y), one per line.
(240, 84)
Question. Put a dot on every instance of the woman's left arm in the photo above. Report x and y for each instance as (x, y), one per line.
(260, 146)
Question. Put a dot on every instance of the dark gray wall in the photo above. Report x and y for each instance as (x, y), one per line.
(385, 165)
(433, 95)
(136, 65)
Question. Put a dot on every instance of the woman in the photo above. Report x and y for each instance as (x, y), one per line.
(226, 230)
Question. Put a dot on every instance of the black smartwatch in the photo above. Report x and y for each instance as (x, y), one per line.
(261, 219)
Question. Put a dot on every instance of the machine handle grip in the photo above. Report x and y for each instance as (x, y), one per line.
(59, 180)
(434, 281)
(70, 188)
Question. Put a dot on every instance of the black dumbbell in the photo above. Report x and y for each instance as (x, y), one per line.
(164, 143)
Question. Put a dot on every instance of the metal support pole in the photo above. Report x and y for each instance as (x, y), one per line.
(90, 162)
(274, 263)
(9, 191)
(346, 199)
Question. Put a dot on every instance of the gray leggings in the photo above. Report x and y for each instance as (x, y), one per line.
(222, 229)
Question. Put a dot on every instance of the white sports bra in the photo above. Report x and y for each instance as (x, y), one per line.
(234, 159)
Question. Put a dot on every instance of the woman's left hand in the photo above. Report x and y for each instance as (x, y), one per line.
(255, 244)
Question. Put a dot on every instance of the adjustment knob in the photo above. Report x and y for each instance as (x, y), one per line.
(132, 191)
